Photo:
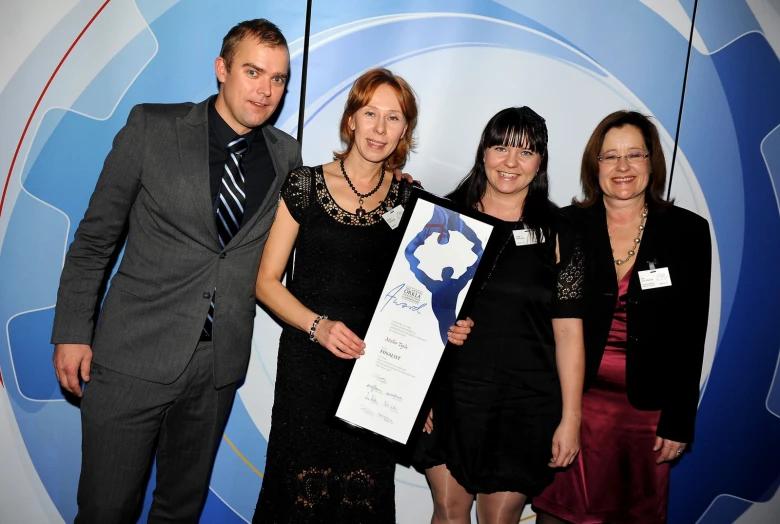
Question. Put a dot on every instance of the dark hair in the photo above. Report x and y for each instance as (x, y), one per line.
(515, 127)
(589, 171)
(360, 95)
(263, 31)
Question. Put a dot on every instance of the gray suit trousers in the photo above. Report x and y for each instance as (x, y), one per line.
(124, 418)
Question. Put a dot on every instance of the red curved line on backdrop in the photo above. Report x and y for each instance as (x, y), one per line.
(46, 88)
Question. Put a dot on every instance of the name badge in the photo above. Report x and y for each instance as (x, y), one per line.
(525, 237)
(653, 278)
(393, 217)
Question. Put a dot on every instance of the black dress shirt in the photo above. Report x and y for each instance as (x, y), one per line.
(256, 163)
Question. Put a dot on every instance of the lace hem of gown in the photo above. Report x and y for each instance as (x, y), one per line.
(316, 487)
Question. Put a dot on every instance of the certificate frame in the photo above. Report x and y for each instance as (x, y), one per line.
(387, 390)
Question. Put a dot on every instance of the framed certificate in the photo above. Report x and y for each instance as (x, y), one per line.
(427, 290)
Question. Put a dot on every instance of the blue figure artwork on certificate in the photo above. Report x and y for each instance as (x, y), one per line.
(445, 288)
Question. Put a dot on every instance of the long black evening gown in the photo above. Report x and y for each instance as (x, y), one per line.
(315, 472)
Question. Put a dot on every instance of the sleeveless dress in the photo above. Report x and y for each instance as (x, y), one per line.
(499, 403)
(615, 477)
(315, 472)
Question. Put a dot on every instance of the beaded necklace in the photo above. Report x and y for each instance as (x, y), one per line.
(637, 239)
(360, 212)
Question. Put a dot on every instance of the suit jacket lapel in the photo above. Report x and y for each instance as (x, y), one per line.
(604, 262)
(272, 195)
(193, 138)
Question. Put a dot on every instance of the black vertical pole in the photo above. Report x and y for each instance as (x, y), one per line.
(304, 71)
(682, 100)
(302, 106)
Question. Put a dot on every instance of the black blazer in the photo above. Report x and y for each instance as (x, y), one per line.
(667, 326)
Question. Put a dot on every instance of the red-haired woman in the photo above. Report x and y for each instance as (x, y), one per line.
(333, 213)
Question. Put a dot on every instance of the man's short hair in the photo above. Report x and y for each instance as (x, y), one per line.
(260, 29)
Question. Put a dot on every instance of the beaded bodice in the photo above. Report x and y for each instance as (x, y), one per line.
(306, 178)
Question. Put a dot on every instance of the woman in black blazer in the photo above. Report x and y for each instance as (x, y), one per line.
(648, 289)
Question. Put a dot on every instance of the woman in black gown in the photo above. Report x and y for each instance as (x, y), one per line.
(332, 215)
(508, 409)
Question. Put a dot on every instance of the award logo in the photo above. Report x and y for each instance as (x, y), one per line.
(412, 295)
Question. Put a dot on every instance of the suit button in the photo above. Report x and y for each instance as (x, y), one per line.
(222, 255)
(632, 338)
(633, 301)
(206, 295)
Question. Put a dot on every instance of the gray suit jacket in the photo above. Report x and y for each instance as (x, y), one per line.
(155, 181)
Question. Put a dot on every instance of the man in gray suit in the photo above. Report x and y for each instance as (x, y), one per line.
(173, 335)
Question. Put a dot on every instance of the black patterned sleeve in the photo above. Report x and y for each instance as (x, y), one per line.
(405, 191)
(297, 192)
(569, 300)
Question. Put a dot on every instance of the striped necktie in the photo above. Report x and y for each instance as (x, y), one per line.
(230, 207)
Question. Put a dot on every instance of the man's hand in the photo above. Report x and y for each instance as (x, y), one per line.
(70, 360)
(399, 175)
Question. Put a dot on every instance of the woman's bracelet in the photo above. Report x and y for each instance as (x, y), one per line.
(314, 327)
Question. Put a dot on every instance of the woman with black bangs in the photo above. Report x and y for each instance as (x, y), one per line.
(508, 408)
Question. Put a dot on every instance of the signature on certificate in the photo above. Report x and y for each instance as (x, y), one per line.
(371, 398)
(373, 388)
(385, 418)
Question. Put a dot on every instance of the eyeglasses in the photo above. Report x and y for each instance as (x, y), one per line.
(631, 158)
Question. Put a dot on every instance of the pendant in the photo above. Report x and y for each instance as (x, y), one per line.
(360, 212)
